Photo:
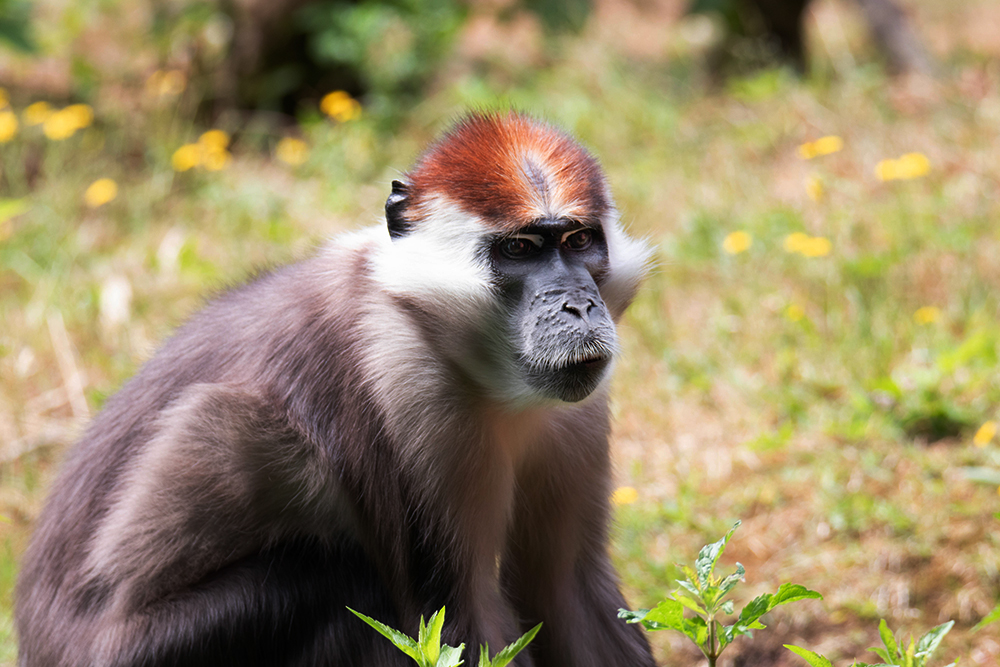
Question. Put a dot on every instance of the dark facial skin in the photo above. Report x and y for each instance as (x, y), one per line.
(549, 274)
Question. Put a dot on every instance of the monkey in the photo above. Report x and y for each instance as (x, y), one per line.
(416, 416)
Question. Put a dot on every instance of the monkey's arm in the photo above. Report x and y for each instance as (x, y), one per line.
(557, 569)
(226, 523)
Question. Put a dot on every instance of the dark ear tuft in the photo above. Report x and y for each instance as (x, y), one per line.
(395, 210)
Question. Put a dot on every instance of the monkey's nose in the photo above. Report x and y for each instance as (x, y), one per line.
(580, 307)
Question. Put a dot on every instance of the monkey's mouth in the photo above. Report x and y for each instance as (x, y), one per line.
(573, 380)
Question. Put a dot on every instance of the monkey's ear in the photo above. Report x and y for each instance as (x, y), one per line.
(395, 210)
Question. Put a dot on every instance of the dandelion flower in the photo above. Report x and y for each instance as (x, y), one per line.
(625, 495)
(8, 126)
(926, 315)
(814, 188)
(985, 434)
(794, 312)
(737, 242)
(817, 246)
(914, 165)
(795, 241)
(214, 158)
(186, 157)
(100, 192)
(214, 139)
(907, 167)
(213, 144)
(292, 151)
(340, 106)
(64, 123)
(59, 126)
(81, 115)
(820, 147)
(36, 113)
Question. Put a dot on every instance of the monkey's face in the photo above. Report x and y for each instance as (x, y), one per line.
(507, 251)
(562, 334)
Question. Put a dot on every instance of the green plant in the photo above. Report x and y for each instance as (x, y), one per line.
(992, 617)
(427, 651)
(893, 655)
(705, 594)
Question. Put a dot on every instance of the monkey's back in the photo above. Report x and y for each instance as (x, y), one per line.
(264, 336)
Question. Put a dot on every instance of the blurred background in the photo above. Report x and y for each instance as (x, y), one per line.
(815, 352)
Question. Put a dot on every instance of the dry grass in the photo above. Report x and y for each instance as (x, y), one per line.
(796, 393)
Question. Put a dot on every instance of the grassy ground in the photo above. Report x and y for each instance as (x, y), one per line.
(828, 393)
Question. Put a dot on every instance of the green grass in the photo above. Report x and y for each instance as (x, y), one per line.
(798, 394)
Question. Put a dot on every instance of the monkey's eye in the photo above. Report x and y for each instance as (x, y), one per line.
(579, 240)
(519, 247)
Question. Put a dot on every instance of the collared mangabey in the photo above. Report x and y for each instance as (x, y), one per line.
(412, 418)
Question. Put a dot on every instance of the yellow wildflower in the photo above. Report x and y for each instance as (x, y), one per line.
(909, 166)
(292, 151)
(794, 312)
(100, 192)
(625, 495)
(166, 83)
(795, 241)
(809, 246)
(214, 139)
(340, 106)
(737, 242)
(59, 126)
(985, 434)
(8, 126)
(36, 113)
(214, 158)
(64, 123)
(814, 188)
(927, 315)
(186, 157)
(822, 146)
(82, 115)
(817, 246)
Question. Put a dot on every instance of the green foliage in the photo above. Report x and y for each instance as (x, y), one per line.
(15, 25)
(989, 619)
(427, 650)
(392, 45)
(704, 593)
(916, 654)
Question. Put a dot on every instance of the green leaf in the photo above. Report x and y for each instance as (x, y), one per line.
(814, 659)
(696, 629)
(430, 636)
(405, 644)
(890, 642)
(509, 652)
(729, 582)
(691, 604)
(709, 556)
(756, 608)
(691, 588)
(927, 644)
(451, 656)
(882, 653)
(727, 607)
(991, 617)
(669, 614)
(792, 593)
(630, 616)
